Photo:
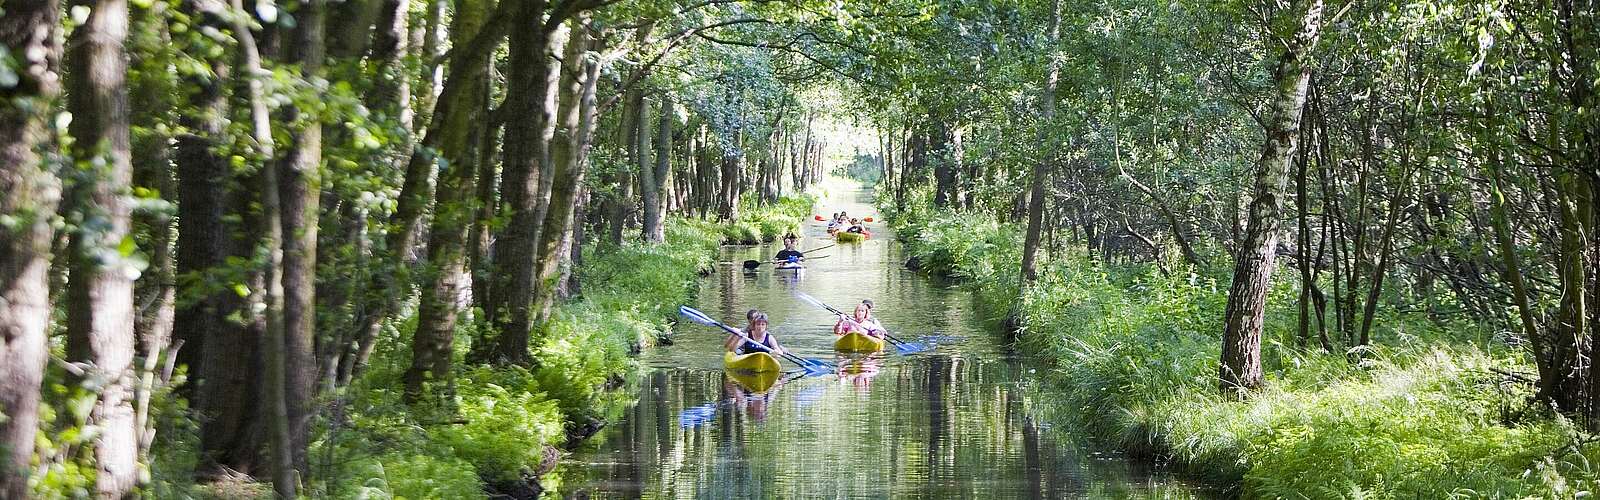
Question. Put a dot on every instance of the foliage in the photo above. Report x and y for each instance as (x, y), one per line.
(507, 420)
(397, 476)
(502, 419)
(1425, 412)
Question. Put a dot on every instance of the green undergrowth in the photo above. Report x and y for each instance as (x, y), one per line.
(1426, 413)
(760, 224)
(506, 424)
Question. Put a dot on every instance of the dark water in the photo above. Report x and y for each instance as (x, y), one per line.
(951, 422)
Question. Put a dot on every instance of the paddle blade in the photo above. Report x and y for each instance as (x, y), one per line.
(819, 217)
(752, 264)
(814, 367)
(912, 347)
(868, 219)
(696, 316)
(697, 416)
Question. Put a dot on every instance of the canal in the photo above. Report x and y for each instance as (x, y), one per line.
(954, 421)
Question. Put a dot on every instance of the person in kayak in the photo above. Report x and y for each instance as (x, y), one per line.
(856, 227)
(764, 341)
(861, 321)
(789, 256)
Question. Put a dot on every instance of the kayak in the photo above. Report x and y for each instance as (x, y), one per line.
(752, 362)
(857, 342)
(755, 382)
(849, 237)
(791, 268)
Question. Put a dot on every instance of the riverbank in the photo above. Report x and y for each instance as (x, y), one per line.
(1428, 412)
(509, 426)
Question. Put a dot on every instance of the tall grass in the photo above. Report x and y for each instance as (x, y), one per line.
(1426, 413)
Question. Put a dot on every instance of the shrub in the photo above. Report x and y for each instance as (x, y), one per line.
(504, 420)
(406, 476)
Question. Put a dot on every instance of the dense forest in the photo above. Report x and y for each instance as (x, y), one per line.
(270, 242)
(401, 247)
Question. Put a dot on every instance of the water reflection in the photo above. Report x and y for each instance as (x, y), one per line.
(949, 422)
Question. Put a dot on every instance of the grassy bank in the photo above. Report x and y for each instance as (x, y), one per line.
(506, 426)
(1427, 413)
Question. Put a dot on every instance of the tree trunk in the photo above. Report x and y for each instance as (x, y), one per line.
(431, 40)
(269, 291)
(392, 278)
(654, 180)
(1308, 280)
(458, 118)
(1570, 336)
(944, 171)
(526, 157)
(617, 208)
(1240, 370)
(643, 164)
(1047, 111)
(480, 242)
(100, 315)
(29, 191)
(567, 152)
(300, 185)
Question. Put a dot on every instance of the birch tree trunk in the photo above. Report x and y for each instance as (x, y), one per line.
(1047, 111)
(1240, 370)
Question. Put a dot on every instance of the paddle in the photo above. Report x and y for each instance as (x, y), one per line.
(699, 317)
(901, 345)
(752, 264)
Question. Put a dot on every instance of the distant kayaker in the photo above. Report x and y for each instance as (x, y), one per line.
(856, 227)
(861, 321)
(757, 331)
(789, 255)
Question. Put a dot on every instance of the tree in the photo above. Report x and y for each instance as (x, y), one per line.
(100, 319)
(1253, 263)
(1047, 110)
(457, 116)
(29, 192)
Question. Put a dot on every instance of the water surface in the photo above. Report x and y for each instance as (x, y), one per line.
(952, 422)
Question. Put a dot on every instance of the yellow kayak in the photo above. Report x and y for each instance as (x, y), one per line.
(847, 237)
(756, 382)
(857, 342)
(752, 362)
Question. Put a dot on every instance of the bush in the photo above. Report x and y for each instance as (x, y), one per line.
(504, 421)
(405, 476)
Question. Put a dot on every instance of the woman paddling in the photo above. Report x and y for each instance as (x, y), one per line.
(764, 341)
(861, 321)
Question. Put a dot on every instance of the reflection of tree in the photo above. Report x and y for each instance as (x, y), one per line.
(937, 426)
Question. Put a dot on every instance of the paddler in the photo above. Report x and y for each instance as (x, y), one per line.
(789, 257)
(860, 321)
(764, 341)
